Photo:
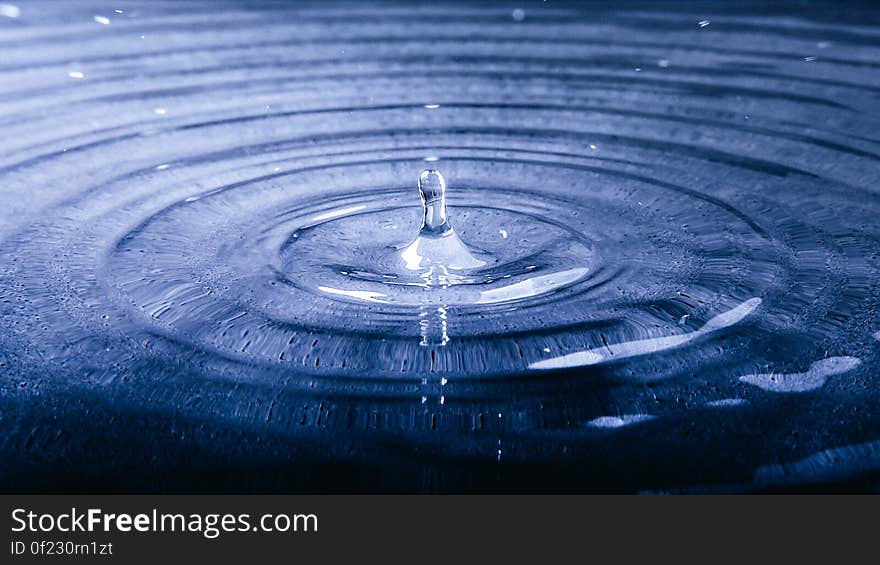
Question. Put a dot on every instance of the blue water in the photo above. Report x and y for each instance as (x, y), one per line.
(663, 277)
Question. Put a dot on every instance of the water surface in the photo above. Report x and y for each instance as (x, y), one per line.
(202, 203)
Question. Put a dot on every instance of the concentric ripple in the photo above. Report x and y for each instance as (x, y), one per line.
(671, 201)
(263, 271)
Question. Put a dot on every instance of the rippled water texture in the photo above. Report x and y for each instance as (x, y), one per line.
(673, 215)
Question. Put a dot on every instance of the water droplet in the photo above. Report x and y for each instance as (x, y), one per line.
(103, 20)
(428, 262)
(437, 249)
(518, 15)
(432, 189)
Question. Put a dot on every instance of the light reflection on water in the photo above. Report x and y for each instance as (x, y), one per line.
(698, 192)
